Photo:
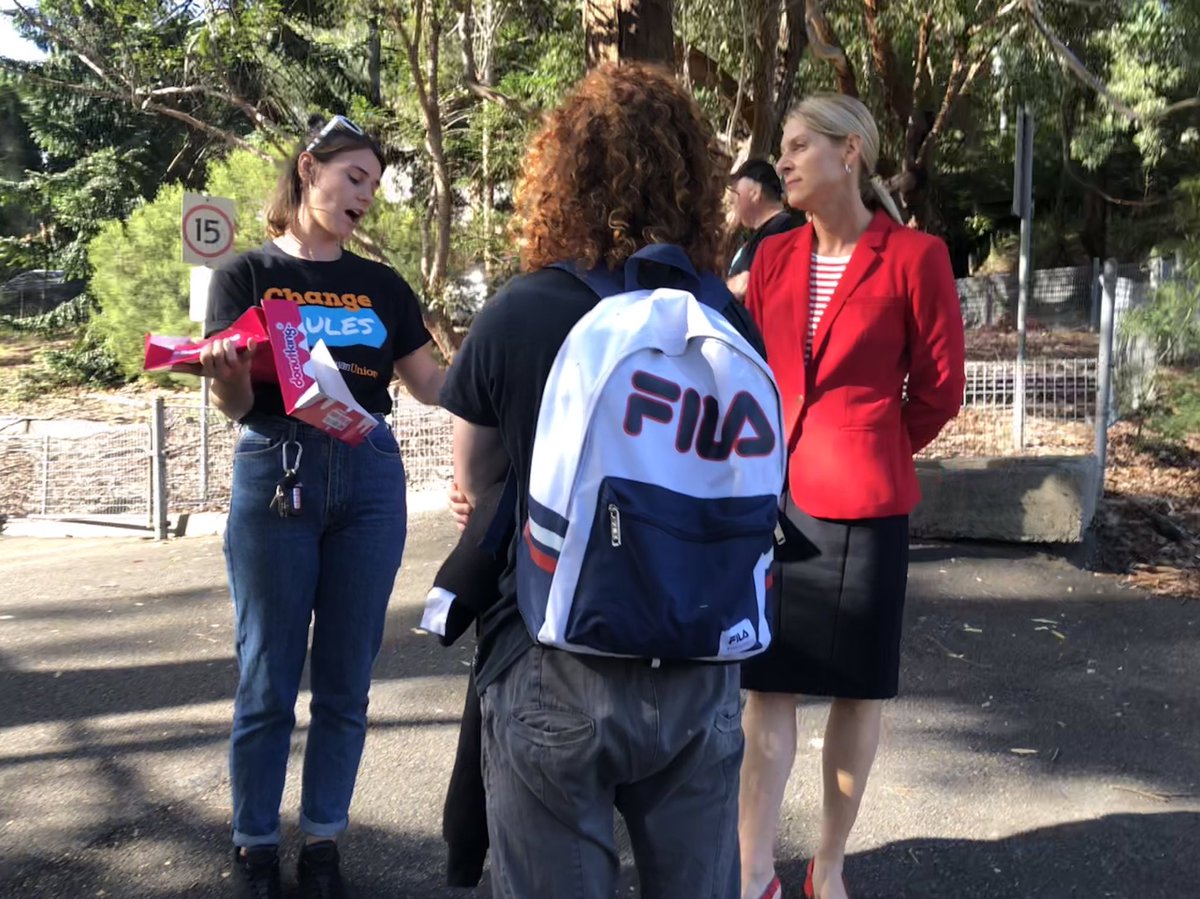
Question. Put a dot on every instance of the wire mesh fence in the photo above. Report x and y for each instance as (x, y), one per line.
(77, 468)
(423, 433)
(1060, 404)
(200, 459)
(199, 449)
(87, 469)
(1058, 298)
(70, 468)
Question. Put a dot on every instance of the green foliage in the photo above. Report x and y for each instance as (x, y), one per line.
(398, 227)
(70, 205)
(91, 158)
(1174, 417)
(141, 283)
(86, 364)
(18, 153)
(139, 279)
(1171, 319)
(67, 318)
(248, 180)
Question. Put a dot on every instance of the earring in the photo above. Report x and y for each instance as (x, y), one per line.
(847, 168)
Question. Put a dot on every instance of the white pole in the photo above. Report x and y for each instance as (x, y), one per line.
(1023, 196)
(1105, 372)
(204, 440)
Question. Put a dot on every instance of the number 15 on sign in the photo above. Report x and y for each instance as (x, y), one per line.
(207, 229)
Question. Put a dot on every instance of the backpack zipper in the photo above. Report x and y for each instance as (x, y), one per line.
(614, 528)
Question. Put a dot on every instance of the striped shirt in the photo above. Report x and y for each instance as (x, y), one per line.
(825, 274)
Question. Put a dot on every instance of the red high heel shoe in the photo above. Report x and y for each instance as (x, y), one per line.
(809, 891)
(774, 890)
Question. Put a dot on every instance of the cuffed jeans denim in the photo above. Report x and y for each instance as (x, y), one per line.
(333, 566)
(569, 739)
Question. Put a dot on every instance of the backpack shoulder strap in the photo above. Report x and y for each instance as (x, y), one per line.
(602, 281)
(707, 287)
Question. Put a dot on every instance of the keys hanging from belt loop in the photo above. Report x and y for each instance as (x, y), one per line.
(286, 501)
(295, 466)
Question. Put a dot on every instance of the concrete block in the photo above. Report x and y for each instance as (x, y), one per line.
(1028, 499)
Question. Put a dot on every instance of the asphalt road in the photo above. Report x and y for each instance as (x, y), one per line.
(1047, 742)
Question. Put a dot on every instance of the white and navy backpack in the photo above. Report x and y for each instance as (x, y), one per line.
(655, 480)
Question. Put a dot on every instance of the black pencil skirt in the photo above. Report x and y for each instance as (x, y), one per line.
(836, 631)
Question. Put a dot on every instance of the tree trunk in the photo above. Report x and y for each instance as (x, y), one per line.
(764, 24)
(445, 335)
(425, 84)
(437, 153)
(427, 242)
(629, 31)
(487, 196)
(1094, 233)
(783, 41)
(375, 93)
(487, 77)
(826, 46)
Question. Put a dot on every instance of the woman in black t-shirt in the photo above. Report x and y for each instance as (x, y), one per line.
(316, 527)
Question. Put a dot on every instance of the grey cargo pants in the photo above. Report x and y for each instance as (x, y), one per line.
(569, 738)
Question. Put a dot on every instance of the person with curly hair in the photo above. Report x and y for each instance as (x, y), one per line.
(626, 161)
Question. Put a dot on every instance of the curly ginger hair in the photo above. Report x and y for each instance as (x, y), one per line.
(626, 160)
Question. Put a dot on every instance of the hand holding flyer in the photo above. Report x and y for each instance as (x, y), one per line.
(312, 387)
(182, 354)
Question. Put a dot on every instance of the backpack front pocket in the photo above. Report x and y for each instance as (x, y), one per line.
(671, 576)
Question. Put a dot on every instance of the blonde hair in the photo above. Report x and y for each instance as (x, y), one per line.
(837, 117)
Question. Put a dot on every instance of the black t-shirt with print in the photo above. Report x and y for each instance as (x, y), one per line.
(497, 380)
(365, 312)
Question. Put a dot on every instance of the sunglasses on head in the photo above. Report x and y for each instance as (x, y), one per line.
(337, 123)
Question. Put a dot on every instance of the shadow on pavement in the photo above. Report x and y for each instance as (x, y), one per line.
(1003, 650)
(1124, 856)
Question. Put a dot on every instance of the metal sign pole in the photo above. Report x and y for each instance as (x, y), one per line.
(1022, 206)
(1105, 373)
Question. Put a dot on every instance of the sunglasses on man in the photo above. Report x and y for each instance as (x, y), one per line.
(337, 123)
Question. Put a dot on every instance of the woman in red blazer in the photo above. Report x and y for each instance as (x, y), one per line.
(864, 332)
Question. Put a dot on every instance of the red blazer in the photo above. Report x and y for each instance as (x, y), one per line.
(895, 313)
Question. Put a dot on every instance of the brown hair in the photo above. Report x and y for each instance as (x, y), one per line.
(288, 195)
(626, 160)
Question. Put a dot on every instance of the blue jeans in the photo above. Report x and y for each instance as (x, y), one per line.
(570, 739)
(334, 565)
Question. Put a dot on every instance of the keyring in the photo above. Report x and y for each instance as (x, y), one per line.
(299, 453)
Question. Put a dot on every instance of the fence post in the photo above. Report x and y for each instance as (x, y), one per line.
(1024, 275)
(1022, 206)
(158, 469)
(1105, 370)
(1094, 306)
(45, 473)
(204, 440)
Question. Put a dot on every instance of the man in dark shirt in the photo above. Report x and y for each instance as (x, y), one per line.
(758, 205)
(569, 739)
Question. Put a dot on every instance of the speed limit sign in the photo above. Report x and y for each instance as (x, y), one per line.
(208, 225)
